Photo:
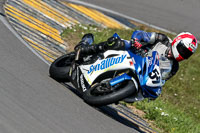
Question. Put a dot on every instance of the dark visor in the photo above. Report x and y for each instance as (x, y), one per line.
(183, 51)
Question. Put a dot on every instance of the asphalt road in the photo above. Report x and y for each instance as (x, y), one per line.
(173, 15)
(32, 102)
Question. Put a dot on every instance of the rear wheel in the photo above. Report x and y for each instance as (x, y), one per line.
(99, 95)
(59, 69)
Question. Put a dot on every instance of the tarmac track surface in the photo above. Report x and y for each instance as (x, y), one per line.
(173, 15)
(32, 102)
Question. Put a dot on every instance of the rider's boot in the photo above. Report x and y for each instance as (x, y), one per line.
(87, 47)
(87, 39)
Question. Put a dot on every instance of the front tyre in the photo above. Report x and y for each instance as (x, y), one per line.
(59, 69)
(122, 91)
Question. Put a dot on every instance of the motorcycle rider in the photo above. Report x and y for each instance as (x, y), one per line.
(143, 43)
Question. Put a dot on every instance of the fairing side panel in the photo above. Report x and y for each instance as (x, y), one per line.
(113, 60)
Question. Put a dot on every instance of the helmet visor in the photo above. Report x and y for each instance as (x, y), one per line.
(183, 50)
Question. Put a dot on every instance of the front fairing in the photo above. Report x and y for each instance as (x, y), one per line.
(148, 72)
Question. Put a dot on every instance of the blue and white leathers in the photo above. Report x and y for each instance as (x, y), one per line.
(146, 70)
(142, 36)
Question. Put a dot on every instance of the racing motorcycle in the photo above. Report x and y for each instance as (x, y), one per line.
(111, 76)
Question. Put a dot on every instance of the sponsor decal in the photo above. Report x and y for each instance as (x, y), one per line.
(106, 63)
(82, 83)
(158, 92)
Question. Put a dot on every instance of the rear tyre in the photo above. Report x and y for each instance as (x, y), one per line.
(59, 69)
(124, 90)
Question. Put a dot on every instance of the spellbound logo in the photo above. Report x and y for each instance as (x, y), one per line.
(107, 63)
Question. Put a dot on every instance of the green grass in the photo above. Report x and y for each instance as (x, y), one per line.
(168, 117)
(177, 110)
(183, 90)
(100, 34)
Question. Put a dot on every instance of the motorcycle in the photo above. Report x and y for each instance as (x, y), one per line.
(111, 76)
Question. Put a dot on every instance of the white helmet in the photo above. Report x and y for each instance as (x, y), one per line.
(184, 45)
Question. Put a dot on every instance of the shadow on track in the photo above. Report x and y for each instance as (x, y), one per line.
(108, 111)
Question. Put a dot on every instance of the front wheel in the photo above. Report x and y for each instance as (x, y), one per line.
(59, 69)
(120, 92)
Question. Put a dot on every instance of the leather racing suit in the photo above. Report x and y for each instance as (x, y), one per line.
(162, 44)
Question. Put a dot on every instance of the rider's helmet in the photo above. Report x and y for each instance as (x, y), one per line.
(184, 45)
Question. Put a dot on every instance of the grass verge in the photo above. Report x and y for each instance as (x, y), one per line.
(177, 110)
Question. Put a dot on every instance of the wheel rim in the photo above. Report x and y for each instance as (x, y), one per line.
(102, 90)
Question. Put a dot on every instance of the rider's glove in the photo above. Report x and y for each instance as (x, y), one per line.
(136, 43)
